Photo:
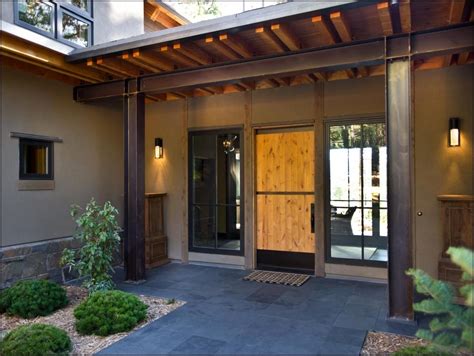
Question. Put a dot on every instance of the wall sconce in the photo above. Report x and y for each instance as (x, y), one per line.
(158, 148)
(454, 138)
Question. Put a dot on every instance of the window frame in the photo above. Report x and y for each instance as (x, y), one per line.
(368, 119)
(208, 250)
(60, 13)
(59, 7)
(23, 142)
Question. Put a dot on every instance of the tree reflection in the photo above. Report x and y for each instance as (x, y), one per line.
(37, 14)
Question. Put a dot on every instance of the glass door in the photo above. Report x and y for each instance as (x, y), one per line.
(215, 192)
(356, 203)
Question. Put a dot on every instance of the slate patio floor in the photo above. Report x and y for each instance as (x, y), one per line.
(226, 315)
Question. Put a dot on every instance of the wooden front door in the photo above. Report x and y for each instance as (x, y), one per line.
(285, 198)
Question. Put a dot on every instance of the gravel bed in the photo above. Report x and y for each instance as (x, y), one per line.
(89, 344)
(381, 343)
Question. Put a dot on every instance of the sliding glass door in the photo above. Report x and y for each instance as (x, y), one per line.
(356, 203)
(215, 192)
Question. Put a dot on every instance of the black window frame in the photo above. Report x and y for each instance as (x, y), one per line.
(23, 142)
(60, 7)
(216, 251)
(376, 119)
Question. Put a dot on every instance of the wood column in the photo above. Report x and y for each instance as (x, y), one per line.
(400, 184)
(134, 144)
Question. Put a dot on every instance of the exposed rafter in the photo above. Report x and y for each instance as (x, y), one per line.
(193, 52)
(323, 27)
(383, 10)
(342, 26)
(271, 40)
(178, 57)
(404, 7)
(149, 59)
(236, 45)
(455, 15)
(286, 35)
(222, 49)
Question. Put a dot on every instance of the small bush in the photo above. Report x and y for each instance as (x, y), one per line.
(420, 351)
(109, 312)
(35, 340)
(32, 298)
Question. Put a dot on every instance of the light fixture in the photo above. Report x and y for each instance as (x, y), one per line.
(237, 155)
(454, 135)
(158, 148)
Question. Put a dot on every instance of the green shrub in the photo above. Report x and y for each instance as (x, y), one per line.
(454, 327)
(32, 298)
(109, 312)
(35, 340)
(420, 351)
(98, 230)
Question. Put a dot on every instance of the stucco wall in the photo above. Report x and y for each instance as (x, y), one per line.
(89, 163)
(114, 20)
(439, 95)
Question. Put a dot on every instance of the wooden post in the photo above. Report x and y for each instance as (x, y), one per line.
(134, 143)
(400, 184)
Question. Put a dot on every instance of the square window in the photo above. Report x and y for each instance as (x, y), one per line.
(75, 30)
(37, 14)
(36, 160)
(81, 4)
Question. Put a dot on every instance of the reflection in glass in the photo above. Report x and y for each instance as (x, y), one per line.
(75, 30)
(215, 191)
(82, 4)
(37, 14)
(358, 191)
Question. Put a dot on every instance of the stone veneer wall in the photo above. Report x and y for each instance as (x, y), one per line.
(37, 260)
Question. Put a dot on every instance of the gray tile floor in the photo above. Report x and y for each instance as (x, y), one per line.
(226, 315)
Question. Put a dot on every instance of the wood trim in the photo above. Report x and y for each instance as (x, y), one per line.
(249, 182)
(35, 137)
(319, 180)
(184, 194)
(453, 197)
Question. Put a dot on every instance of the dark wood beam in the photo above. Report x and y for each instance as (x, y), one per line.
(399, 88)
(383, 9)
(270, 39)
(236, 45)
(455, 15)
(325, 29)
(286, 35)
(134, 143)
(193, 52)
(342, 26)
(222, 49)
(178, 57)
(404, 8)
(426, 44)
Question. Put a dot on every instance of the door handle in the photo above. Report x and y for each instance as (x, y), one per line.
(312, 218)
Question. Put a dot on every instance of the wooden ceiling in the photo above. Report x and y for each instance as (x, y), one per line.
(372, 20)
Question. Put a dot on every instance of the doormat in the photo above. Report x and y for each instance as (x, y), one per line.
(287, 279)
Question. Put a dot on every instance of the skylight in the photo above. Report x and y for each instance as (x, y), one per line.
(200, 10)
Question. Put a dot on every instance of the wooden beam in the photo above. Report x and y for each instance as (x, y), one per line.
(236, 45)
(322, 76)
(118, 66)
(342, 26)
(463, 58)
(108, 69)
(383, 10)
(285, 34)
(323, 27)
(129, 58)
(27, 52)
(220, 48)
(404, 7)
(271, 40)
(178, 57)
(363, 71)
(193, 52)
(150, 59)
(456, 11)
(134, 134)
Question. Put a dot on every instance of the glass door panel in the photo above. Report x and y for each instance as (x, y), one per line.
(358, 192)
(215, 192)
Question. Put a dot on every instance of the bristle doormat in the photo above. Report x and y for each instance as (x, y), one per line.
(287, 279)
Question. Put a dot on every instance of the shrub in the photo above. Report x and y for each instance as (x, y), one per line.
(109, 312)
(419, 351)
(98, 230)
(33, 298)
(35, 340)
(454, 326)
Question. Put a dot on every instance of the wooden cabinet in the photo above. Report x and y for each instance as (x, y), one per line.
(457, 220)
(156, 242)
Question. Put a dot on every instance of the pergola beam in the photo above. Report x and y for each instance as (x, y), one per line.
(423, 45)
(383, 9)
(286, 35)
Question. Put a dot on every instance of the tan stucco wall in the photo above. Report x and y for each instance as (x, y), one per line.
(89, 163)
(439, 95)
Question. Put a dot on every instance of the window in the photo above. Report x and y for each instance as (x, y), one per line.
(69, 21)
(36, 159)
(215, 192)
(357, 193)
